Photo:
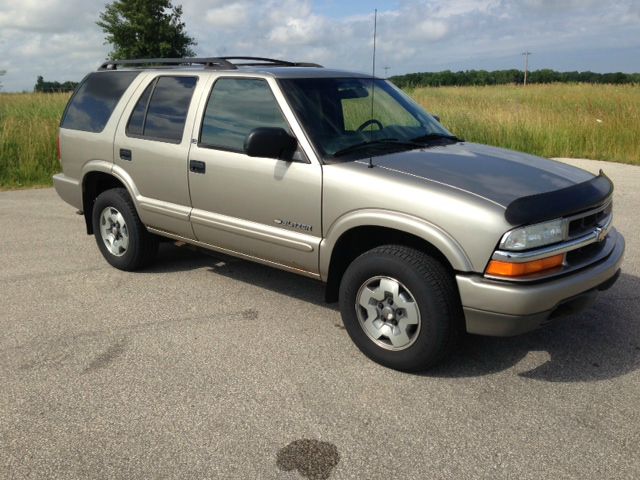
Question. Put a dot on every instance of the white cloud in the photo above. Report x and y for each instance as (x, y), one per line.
(227, 16)
(463, 7)
(429, 30)
(309, 30)
(46, 15)
(547, 5)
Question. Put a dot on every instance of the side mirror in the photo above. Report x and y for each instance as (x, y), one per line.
(437, 117)
(270, 143)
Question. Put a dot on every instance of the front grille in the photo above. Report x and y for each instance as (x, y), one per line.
(581, 225)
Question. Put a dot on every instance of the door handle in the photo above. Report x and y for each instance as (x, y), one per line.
(197, 166)
(125, 154)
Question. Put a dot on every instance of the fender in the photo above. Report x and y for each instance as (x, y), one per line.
(431, 233)
(127, 181)
(96, 165)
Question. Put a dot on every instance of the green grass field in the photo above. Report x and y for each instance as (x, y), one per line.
(560, 120)
(599, 122)
(28, 129)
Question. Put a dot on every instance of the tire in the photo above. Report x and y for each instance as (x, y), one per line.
(401, 307)
(121, 237)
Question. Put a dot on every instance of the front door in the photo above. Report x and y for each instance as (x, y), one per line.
(262, 208)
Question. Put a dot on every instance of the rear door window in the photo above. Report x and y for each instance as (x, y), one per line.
(161, 111)
(91, 106)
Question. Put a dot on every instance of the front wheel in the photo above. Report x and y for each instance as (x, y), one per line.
(121, 237)
(400, 307)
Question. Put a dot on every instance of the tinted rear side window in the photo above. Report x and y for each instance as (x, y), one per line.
(93, 103)
(167, 110)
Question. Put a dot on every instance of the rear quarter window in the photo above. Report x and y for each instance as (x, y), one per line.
(92, 104)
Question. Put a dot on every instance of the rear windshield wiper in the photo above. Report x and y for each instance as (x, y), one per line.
(436, 136)
(382, 142)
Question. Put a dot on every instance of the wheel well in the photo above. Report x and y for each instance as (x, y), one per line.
(356, 241)
(93, 184)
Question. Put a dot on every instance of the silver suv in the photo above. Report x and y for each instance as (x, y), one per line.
(339, 177)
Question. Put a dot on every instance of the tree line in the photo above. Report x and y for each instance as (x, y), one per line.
(501, 77)
(51, 87)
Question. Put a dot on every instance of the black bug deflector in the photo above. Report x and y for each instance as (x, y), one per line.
(559, 203)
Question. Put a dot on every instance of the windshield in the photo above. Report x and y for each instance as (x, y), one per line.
(343, 122)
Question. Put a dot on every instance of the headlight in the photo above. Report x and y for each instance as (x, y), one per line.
(533, 236)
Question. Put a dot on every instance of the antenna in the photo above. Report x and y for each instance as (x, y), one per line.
(373, 72)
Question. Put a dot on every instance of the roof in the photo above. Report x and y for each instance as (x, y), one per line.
(302, 72)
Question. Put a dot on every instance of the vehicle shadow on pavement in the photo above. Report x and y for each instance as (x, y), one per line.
(186, 257)
(599, 343)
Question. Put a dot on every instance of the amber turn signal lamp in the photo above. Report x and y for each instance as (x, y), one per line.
(508, 269)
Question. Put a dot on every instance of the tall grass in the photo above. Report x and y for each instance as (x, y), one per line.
(558, 120)
(28, 129)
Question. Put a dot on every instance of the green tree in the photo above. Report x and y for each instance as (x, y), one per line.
(39, 87)
(145, 29)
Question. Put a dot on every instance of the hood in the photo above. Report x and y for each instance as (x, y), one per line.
(499, 175)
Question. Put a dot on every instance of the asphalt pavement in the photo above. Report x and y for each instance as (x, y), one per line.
(204, 366)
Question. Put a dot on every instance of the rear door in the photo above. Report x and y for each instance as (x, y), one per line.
(266, 209)
(152, 145)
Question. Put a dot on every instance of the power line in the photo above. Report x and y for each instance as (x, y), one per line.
(526, 65)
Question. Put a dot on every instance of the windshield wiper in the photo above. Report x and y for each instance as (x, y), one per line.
(382, 142)
(436, 136)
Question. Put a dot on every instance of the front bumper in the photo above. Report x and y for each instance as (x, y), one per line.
(501, 308)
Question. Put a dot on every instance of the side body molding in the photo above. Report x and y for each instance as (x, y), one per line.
(432, 234)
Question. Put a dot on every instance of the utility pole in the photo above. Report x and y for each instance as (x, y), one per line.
(386, 69)
(526, 65)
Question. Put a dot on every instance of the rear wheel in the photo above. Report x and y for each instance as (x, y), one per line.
(400, 307)
(121, 237)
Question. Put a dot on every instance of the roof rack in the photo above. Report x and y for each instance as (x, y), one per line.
(218, 63)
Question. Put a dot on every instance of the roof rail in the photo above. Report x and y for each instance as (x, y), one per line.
(211, 62)
(265, 62)
(218, 63)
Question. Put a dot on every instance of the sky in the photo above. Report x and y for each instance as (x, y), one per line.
(59, 39)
